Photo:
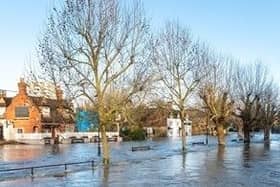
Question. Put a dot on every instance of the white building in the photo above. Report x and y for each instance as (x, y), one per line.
(174, 127)
(41, 89)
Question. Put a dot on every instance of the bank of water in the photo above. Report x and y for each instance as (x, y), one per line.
(163, 165)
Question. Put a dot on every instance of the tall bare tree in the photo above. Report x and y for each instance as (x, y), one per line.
(251, 81)
(96, 46)
(269, 109)
(179, 61)
(216, 94)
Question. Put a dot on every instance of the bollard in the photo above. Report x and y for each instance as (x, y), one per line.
(92, 164)
(65, 167)
(32, 172)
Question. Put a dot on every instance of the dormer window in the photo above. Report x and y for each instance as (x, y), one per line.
(22, 112)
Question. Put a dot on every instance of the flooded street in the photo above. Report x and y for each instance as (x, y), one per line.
(163, 165)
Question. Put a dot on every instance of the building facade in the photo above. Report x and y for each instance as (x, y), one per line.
(28, 114)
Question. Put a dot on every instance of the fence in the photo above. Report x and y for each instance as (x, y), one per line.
(32, 168)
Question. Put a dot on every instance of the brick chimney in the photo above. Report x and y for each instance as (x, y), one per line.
(3, 94)
(59, 93)
(22, 87)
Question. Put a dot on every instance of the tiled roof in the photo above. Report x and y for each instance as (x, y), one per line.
(60, 111)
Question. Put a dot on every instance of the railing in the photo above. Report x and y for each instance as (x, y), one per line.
(32, 168)
(86, 134)
(65, 135)
(32, 136)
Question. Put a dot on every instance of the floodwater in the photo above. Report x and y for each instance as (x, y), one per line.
(163, 165)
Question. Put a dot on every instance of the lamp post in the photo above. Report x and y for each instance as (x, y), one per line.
(207, 127)
(98, 141)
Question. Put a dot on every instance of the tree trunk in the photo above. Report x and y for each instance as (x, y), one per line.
(102, 125)
(267, 133)
(221, 134)
(105, 146)
(246, 130)
(183, 132)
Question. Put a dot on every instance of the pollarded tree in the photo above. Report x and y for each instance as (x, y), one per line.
(180, 63)
(269, 109)
(96, 46)
(251, 81)
(215, 93)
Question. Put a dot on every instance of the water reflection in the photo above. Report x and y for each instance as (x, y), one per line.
(164, 165)
(184, 159)
(12, 153)
(106, 172)
(221, 153)
(55, 149)
(266, 146)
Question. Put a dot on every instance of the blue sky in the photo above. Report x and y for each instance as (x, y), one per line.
(246, 29)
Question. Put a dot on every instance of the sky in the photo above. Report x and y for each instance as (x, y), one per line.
(246, 29)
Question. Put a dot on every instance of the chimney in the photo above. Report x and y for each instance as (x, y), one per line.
(3, 94)
(59, 93)
(22, 87)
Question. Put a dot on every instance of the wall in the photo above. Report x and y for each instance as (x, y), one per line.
(27, 124)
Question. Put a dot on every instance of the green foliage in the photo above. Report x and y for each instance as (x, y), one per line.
(134, 134)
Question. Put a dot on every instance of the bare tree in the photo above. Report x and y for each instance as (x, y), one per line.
(269, 109)
(179, 62)
(97, 46)
(251, 81)
(216, 94)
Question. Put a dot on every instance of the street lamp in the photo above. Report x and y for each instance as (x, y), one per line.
(207, 126)
(98, 141)
(98, 144)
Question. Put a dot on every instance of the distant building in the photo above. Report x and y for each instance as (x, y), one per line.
(174, 127)
(155, 121)
(29, 114)
(41, 89)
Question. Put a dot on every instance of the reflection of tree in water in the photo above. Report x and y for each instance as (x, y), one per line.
(184, 159)
(106, 175)
(246, 155)
(254, 152)
(55, 149)
(266, 147)
(221, 153)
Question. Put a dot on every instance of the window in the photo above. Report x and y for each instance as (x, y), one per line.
(22, 112)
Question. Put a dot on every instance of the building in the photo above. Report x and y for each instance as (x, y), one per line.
(28, 114)
(174, 126)
(41, 89)
(155, 121)
(4, 102)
